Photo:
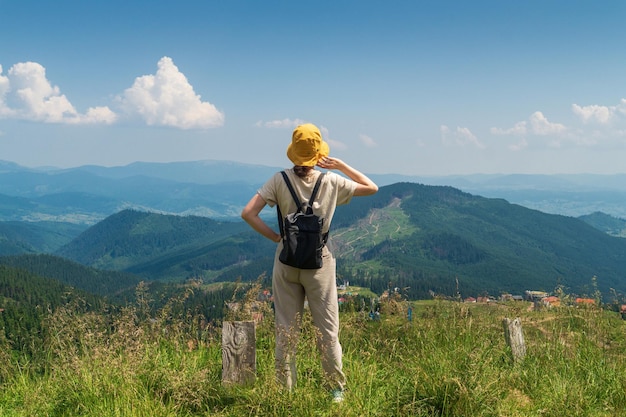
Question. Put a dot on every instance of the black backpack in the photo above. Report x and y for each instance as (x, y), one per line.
(301, 231)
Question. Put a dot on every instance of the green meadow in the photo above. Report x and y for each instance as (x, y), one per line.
(450, 359)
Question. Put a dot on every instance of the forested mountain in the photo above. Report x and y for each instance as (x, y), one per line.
(28, 237)
(88, 279)
(25, 299)
(424, 238)
(437, 236)
(160, 246)
(34, 286)
(608, 224)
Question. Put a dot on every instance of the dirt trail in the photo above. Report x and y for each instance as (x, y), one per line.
(371, 226)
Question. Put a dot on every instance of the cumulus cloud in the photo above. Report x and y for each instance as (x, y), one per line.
(519, 129)
(167, 99)
(461, 136)
(280, 124)
(4, 90)
(163, 99)
(537, 124)
(367, 141)
(26, 93)
(335, 145)
(541, 126)
(599, 114)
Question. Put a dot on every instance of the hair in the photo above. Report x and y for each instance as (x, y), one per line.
(302, 171)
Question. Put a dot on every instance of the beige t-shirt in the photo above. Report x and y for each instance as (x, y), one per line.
(334, 191)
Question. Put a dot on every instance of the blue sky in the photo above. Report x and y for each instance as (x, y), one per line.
(408, 87)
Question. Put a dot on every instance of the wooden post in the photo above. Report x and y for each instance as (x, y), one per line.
(238, 352)
(515, 337)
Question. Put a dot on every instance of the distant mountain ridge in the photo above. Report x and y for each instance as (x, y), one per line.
(86, 195)
(220, 189)
(608, 224)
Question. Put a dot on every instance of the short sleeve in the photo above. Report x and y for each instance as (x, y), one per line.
(345, 189)
(269, 190)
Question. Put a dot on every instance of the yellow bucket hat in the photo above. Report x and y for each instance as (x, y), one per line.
(307, 146)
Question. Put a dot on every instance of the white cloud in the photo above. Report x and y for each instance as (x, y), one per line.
(5, 86)
(461, 136)
(336, 145)
(325, 133)
(621, 107)
(367, 141)
(27, 94)
(607, 130)
(167, 99)
(541, 126)
(98, 115)
(599, 114)
(164, 99)
(537, 124)
(519, 129)
(279, 124)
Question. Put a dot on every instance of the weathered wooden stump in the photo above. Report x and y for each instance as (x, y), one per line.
(238, 352)
(515, 337)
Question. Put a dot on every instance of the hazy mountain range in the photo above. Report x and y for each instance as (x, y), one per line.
(219, 189)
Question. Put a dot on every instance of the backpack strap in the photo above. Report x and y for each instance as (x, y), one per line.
(316, 189)
(291, 190)
(295, 197)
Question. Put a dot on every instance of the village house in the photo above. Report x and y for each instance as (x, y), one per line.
(585, 301)
(535, 295)
(551, 301)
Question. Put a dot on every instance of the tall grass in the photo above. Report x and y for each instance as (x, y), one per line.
(450, 360)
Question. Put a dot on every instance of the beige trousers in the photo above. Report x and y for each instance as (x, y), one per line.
(290, 287)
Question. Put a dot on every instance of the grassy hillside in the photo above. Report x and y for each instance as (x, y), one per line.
(450, 360)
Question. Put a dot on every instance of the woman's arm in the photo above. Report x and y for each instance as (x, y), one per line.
(365, 186)
(250, 214)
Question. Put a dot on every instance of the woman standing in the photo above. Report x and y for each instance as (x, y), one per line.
(291, 285)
